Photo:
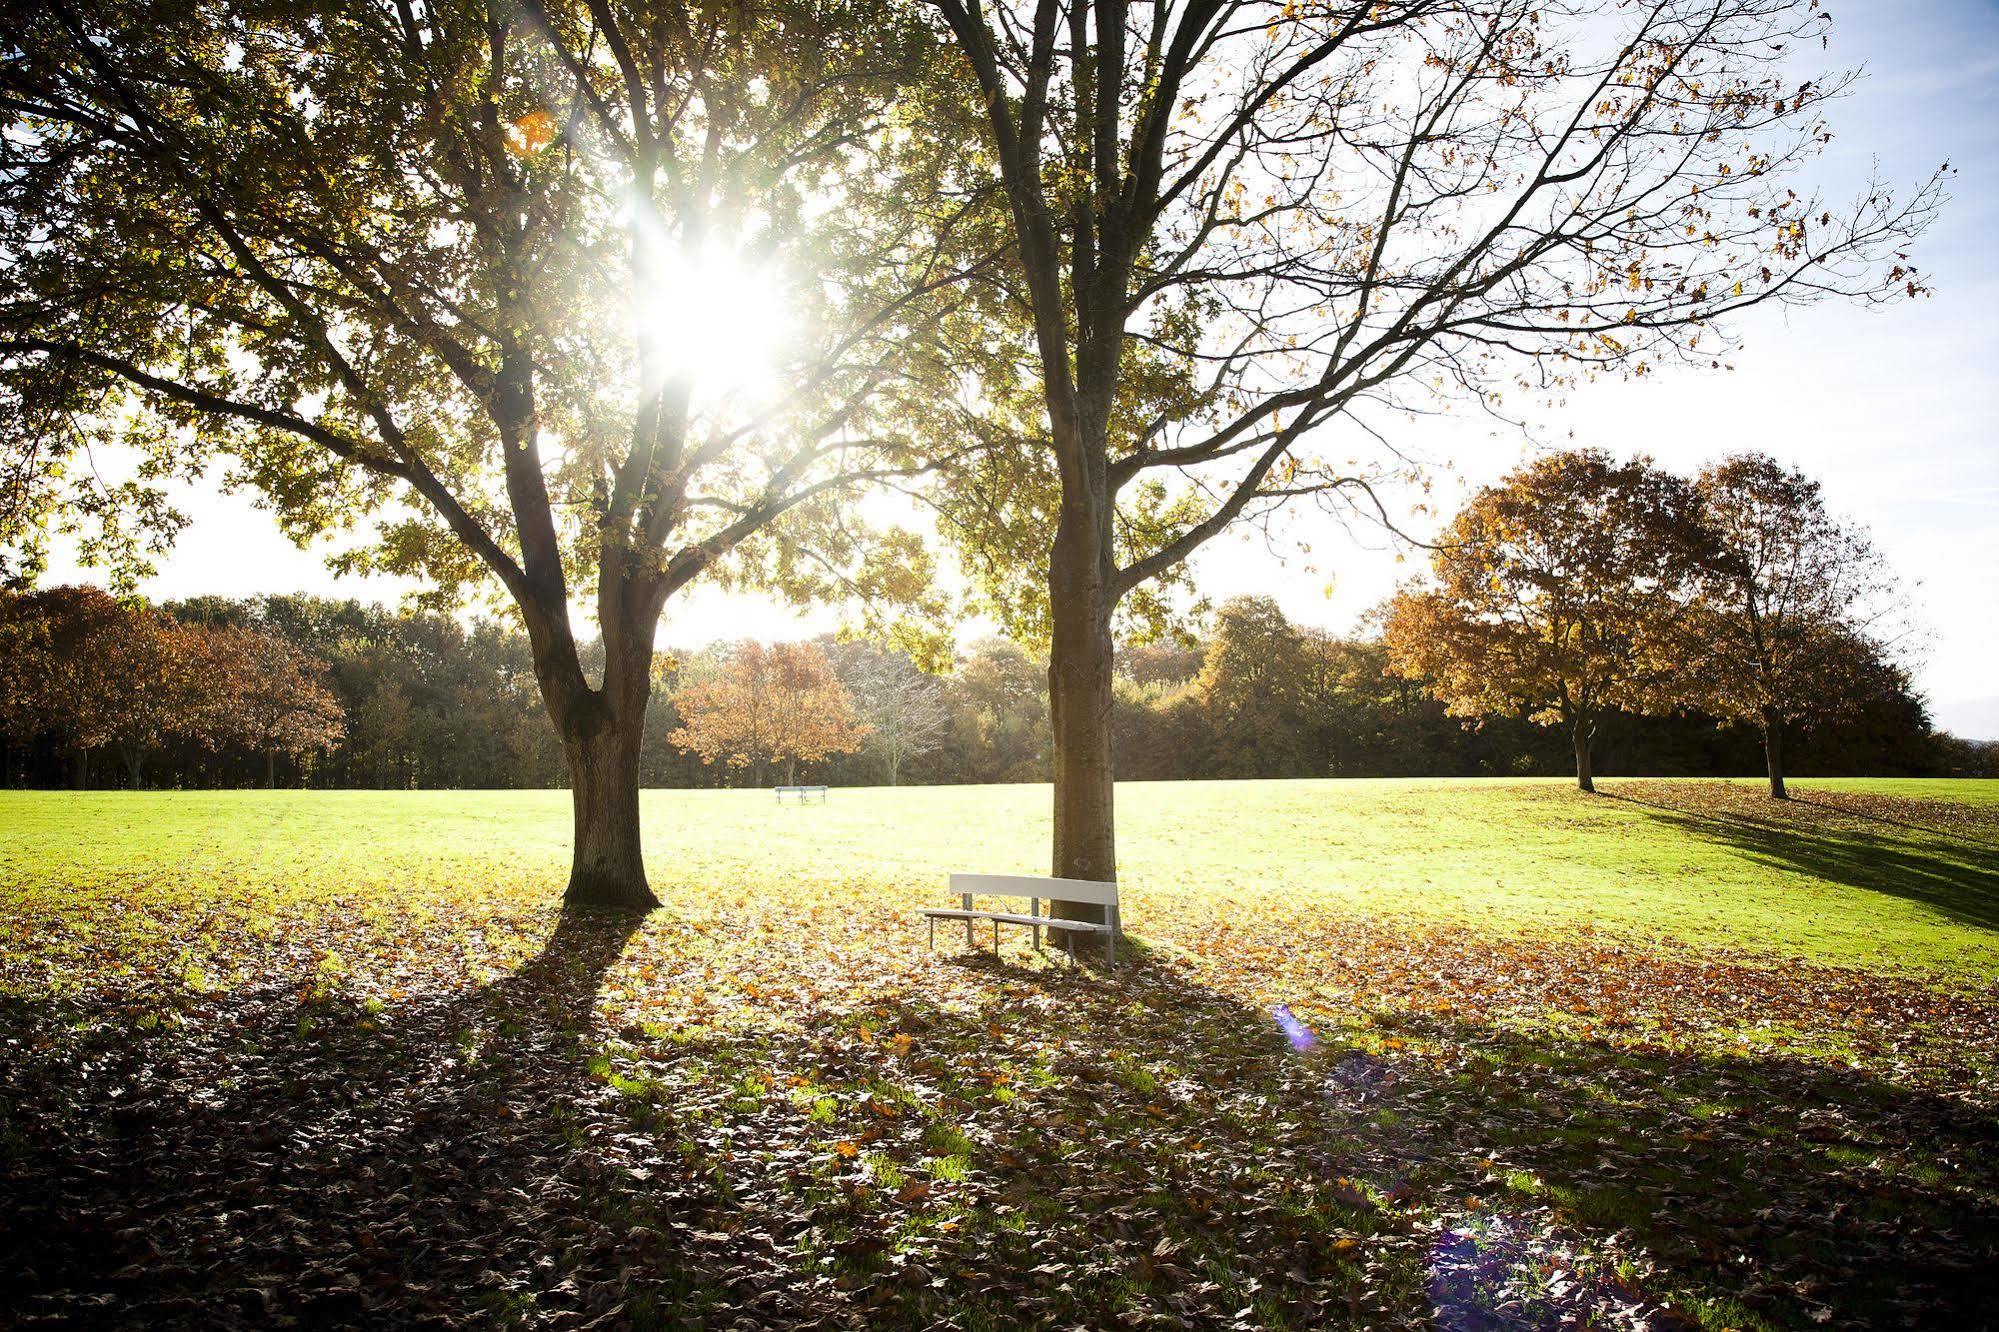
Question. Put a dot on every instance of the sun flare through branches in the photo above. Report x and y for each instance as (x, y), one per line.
(714, 318)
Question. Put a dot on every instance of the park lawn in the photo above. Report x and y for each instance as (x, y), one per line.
(1902, 878)
(1667, 1057)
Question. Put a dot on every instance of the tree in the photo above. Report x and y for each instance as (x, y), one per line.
(57, 645)
(573, 298)
(1006, 692)
(1252, 685)
(76, 662)
(1557, 592)
(776, 704)
(273, 700)
(1238, 221)
(158, 687)
(901, 708)
(1794, 609)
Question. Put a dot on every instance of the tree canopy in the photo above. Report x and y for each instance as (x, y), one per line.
(1556, 592)
(779, 704)
(1798, 614)
(578, 300)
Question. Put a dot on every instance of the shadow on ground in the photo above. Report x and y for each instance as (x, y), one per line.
(1036, 1147)
(1841, 841)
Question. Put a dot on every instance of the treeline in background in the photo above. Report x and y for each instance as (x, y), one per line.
(305, 691)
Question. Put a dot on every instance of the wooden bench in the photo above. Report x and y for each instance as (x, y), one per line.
(1019, 887)
(803, 793)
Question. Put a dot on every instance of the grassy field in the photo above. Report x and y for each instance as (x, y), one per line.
(1403, 1053)
(1885, 874)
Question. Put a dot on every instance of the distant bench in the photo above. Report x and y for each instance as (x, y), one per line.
(1017, 887)
(801, 793)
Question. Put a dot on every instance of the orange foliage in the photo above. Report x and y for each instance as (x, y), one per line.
(779, 703)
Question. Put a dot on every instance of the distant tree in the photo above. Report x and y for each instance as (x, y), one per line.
(1796, 608)
(273, 698)
(1958, 757)
(1252, 685)
(902, 707)
(775, 704)
(1005, 693)
(160, 686)
(51, 682)
(384, 735)
(1555, 592)
(1168, 661)
(98, 672)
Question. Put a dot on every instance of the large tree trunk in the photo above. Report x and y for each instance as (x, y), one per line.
(1584, 732)
(1079, 700)
(1773, 752)
(608, 868)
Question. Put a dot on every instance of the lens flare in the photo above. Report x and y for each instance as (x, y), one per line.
(1302, 1037)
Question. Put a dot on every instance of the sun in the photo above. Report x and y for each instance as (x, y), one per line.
(717, 319)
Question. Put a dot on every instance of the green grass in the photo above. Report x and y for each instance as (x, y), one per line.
(1519, 857)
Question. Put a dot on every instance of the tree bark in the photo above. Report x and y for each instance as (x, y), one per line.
(608, 868)
(1773, 752)
(1079, 698)
(1584, 732)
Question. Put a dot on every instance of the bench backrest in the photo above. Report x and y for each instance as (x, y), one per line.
(1024, 885)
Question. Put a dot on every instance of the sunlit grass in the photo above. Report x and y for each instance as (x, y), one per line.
(1515, 856)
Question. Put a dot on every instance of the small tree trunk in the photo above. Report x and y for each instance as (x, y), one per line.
(608, 868)
(270, 772)
(1585, 775)
(1079, 699)
(135, 758)
(80, 769)
(894, 766)
(791, 770)
(1773, 752)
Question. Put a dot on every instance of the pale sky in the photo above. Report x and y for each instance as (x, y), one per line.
(1895, 409)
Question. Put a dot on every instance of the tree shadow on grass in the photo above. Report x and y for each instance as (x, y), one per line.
(309, 1159)
(1955, 875)
(1007, 1146)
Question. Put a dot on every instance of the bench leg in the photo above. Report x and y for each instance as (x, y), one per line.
(1110, 949)
(933, 934)
(995, 941)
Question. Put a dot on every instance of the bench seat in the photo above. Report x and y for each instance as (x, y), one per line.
(1009, 918)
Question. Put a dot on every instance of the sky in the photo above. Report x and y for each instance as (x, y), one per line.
(1895, 409)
